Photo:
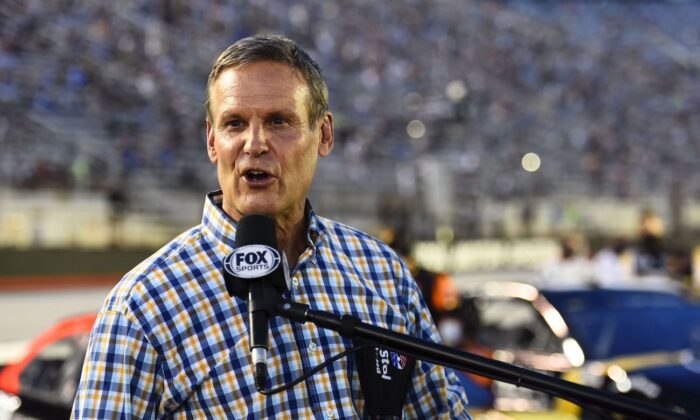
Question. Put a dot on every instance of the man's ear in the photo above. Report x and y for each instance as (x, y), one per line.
(326, 144)
(211, 150)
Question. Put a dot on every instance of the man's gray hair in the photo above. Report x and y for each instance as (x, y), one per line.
(279, 49)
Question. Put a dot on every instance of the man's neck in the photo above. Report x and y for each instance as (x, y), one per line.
(291, 239)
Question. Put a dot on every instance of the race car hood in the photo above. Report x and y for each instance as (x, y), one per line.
(672, 386)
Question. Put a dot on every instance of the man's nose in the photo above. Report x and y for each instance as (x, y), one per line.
(256, 140)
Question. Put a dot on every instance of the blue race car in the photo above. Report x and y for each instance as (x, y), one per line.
(641, 343)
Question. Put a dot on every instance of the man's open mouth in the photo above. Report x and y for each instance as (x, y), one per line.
(256, 175)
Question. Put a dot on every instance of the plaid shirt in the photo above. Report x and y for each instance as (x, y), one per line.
(170, 342)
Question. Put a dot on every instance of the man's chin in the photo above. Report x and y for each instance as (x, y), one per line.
(256, 207)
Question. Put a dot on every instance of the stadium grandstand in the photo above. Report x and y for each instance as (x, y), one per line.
(435, 102)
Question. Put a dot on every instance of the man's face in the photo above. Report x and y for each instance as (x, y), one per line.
(262, 142)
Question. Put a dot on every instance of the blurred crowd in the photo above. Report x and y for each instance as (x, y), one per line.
(647, 260)
(96, 94)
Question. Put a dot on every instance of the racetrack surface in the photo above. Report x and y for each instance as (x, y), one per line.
(29, 307)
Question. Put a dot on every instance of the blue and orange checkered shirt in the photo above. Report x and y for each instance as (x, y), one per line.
(170, 341)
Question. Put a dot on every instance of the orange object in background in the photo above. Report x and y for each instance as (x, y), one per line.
(445, 296)
(79, 324)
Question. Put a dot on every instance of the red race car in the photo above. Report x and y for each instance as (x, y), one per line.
(43, 382)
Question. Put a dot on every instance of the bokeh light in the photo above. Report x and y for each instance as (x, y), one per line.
(456, 90)
(415, 129)
(531, 162)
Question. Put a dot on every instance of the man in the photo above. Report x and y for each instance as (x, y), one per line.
(170, 341)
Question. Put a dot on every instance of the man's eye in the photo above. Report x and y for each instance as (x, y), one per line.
(278, 121)
(234, 123)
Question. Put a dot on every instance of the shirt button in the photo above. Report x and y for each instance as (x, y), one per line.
(312, 346)
(330, 413)
(295, 282)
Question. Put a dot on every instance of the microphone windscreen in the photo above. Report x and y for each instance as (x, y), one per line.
(255, 257)
(256, 229)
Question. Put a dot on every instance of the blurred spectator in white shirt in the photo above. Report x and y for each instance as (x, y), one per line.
(612, 265)
(573, 268)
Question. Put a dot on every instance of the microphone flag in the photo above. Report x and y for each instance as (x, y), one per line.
(385, 377)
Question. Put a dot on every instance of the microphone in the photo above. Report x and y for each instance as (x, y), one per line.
(255, 271)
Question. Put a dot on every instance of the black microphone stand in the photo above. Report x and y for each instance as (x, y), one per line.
(350, 327)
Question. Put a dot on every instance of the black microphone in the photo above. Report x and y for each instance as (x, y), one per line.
(255, 271)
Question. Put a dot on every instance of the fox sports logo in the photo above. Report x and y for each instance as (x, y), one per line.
(252, 261)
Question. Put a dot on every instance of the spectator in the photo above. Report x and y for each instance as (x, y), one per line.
(650, 256)
(438, 289)
(460, 329)
(613, 264)
(573, 267)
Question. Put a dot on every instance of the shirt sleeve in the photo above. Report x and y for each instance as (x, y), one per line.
(120, 375)
(436, 390)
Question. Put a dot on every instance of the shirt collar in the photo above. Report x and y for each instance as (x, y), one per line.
(215, 220)
(313, 231)
(223, 227)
